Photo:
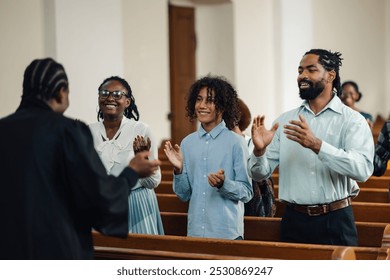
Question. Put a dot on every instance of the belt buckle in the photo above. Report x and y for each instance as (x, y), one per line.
(312, 212)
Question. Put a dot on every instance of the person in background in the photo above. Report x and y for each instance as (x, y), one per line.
(351, 95)
(262, 203)
(382, 150)
(322, 148)
(54, 187)
(118, 136)
(210, 164)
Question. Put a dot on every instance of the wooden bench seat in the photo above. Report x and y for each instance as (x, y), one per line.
(382, 182)
(112, 253)
(244, 248)
(363, 211)
(268, 229)
(381, 195)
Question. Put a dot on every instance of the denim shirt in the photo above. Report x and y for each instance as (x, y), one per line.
(213, 212)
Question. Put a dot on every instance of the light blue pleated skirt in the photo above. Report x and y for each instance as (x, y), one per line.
(144, 214)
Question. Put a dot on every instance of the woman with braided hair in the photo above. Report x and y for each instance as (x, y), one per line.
(118, 136)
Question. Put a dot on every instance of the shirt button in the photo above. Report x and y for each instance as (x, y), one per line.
(312, 173)
(204, 193)
(203, 209)
(207, 142)
(204, 176)
(204, 158)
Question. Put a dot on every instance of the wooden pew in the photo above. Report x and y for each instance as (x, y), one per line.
(165, 187)
(240, 248)
(382, 182)
(380, 195)
(167, 175)
(268, 229)
(376, 182)
(112, 253)
(377, 126)
(363, 211)
(373, 195)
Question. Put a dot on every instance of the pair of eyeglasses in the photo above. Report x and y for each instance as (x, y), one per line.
(103, 94)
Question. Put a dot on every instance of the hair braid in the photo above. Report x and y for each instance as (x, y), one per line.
(43, 79)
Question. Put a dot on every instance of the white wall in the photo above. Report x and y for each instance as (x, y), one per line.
(254, 56)
(357, 29)
(215, 40)
(295, 37)
(146, 45)
(89, 43)
(22, 38)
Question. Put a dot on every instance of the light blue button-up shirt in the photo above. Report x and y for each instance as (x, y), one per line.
(214, 213)
(346, 156)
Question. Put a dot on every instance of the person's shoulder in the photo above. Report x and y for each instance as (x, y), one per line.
(351, 114)
(132, 124)
(72, 123)
(190, 137)
(94, 125)
(288, 115)
(367, 115)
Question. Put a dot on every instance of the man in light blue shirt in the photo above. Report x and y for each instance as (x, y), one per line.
(210, 166)
(322, 148)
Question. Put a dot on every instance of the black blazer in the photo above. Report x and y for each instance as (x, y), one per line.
(54, 188)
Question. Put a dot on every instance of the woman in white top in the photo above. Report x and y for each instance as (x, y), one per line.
(118, 135)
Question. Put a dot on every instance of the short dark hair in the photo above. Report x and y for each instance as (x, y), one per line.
(130, 112)
(330, 61)
(225, 100)
(355, 86)
(43, 79)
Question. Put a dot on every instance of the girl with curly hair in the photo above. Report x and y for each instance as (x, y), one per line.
(210, 164)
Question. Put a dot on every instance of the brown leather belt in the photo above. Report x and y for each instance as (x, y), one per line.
(320, 209)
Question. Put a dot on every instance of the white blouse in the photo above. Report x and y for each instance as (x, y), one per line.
(117, 152)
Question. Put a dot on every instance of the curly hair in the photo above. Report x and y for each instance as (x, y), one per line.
(330, 61)
(225, 99)
(130, 112)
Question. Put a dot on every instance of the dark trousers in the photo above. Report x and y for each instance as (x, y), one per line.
(334, 228)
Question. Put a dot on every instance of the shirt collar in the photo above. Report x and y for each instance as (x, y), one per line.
(214, 132)
(335, 105)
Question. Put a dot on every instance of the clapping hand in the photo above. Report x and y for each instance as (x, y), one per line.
(300, 132)
(216, 179)
(140, 144)
(261, 137)
(174, 156)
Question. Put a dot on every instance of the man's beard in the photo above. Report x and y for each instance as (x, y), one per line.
(312, 91)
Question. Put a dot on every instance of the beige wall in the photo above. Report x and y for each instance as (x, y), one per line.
(21, 39)
(146, 61)
(257, 44)
(357, 29)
